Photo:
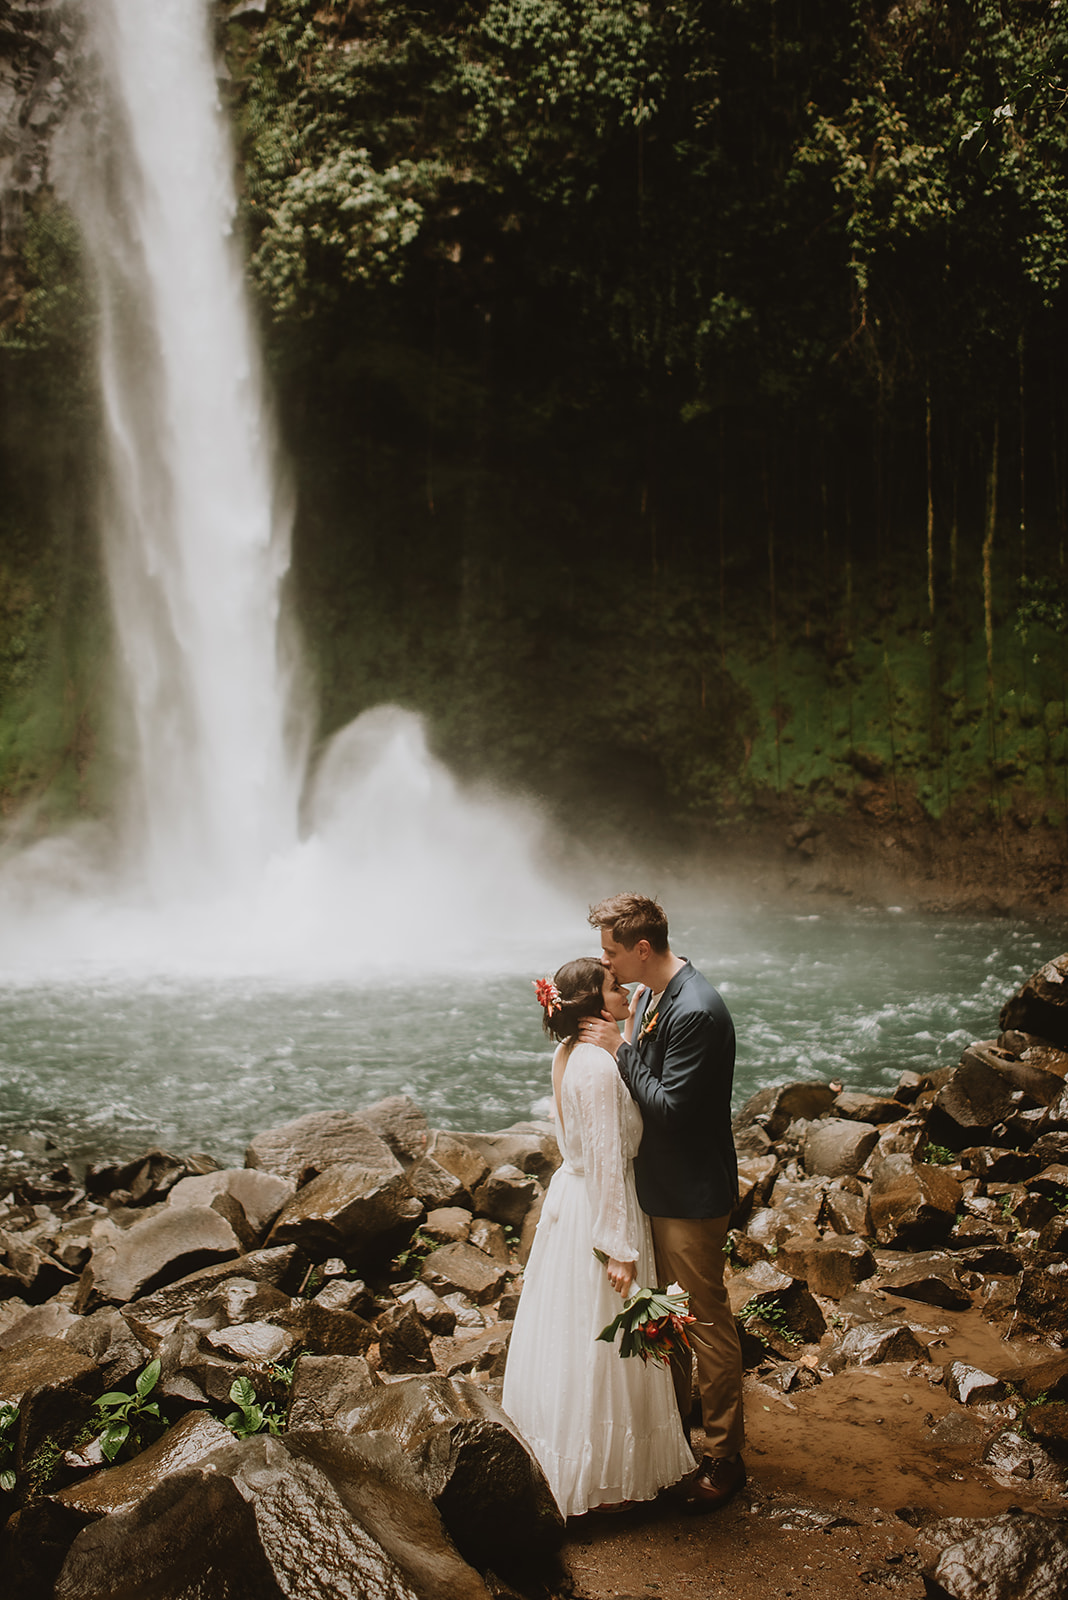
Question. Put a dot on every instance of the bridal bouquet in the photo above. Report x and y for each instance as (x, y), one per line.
(653, 1323)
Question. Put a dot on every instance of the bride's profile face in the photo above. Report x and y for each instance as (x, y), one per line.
(614, 996)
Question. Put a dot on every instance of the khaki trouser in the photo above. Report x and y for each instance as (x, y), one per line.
(689, 1251)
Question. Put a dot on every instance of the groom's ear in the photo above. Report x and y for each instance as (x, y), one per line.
(643, 949)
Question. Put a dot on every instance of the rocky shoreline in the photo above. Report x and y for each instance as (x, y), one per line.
(284, 1378)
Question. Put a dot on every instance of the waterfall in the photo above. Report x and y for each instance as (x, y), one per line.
(196, 527)
(399, 867)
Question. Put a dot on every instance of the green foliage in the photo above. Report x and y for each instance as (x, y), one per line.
(937, 1155)
(251, 1417)
(772, 1315)
(9, 1417)
(415, 1252)
(129, 1421)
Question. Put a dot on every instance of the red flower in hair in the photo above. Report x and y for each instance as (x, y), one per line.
(548, 995)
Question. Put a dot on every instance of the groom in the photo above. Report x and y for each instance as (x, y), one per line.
(680, 1069)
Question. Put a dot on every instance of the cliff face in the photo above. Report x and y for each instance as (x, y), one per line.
(38, 42)
(598, 574)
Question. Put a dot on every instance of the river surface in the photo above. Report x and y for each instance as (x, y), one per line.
(98, 1064)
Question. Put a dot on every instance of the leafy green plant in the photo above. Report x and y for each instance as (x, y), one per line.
(417, 1250)
(937, 1155)
(251, 1417)
(771, 1313)
(9, 1416)
(128, 1418)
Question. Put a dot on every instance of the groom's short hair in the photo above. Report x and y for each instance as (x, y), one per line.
(630, 917)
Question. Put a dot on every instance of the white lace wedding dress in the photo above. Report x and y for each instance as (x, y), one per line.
(603, 1429)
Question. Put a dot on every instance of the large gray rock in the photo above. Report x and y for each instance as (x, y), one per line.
(530, 1146)
(1042, 1298)
(928, 1276)
(774, 1109)
(434, 1184)
(910, 1205)
(399, 1122)
(460, 1156)
(120, 1488)
(969, 1385)
(154, 1315)
(107, 1338)
(328, 1391)
(1013, 1460)
(837, 1148)
(302, 1149)
(54, 1388)
(863, 1107)
(506, 1196)
(480, 1474)
(831, 1266)
(260, 1195)
(1040, 1006)
(159, 1250)
(870, 1344)
(461, 1267)
(313, 1516)
(1014, 1557)
(49, 1321)
(764, 1284)
(352, 1210)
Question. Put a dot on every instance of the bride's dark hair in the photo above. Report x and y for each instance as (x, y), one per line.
(580, 984)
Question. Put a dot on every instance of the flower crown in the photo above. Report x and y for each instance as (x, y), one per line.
(548, 995)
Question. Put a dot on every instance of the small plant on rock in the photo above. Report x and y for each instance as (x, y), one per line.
(417, 1250)
(773, 1315)
(251, 1417)
(938, 1155)
(9, 1418)
(128, 1418)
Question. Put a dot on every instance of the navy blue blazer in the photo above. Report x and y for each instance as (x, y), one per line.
(681, 1074)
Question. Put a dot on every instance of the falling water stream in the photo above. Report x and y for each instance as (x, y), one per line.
(209, 964)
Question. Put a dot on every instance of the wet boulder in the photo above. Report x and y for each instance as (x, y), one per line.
(861, 1107)
(260, 1195)
(490, 1491)
(484, 1351)
(49, 1321)
(969, 1386)
(530, 1146)
(832, 1266)
(350, 1209)
(772, 1110)
(329, 1390)
(125, 1485)
(401, 1125)
(53, 1387)
(1042, 1298)
(147, 1179)
(301, 1150)
(845, 1207)
(975, 1100)
(798, 1203)
(403, 1342)
(838, 1148)
(506, 1196)
(164, 1247)
(153, 1315)
(458, 1155)
(871, 1344)
(928, 1276)
(32, 1274)
(447, 1225)
(795, 1314)
(107, 1339)
(434, 1314)
(434, 1184)
(304, 1516)
(1014, 1557)
(912, 1205)
(1013, 1460)
(1040, 1006)
(462, 1268)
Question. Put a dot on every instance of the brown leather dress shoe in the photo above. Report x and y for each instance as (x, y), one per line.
(714, 1484)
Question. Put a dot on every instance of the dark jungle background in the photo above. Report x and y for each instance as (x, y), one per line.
(675, 409)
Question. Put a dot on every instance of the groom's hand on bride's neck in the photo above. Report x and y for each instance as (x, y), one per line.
(602, 1030)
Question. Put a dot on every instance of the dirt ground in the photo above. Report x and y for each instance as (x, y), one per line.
(841, 1478)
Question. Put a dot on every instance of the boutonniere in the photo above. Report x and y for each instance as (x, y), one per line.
(648, 1026)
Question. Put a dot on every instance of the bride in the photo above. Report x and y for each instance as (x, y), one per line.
(605, 1430)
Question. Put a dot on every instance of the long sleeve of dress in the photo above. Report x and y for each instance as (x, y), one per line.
(594, 1106)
